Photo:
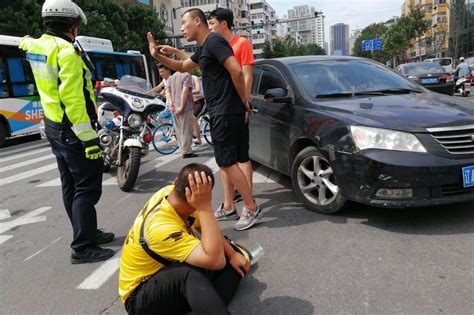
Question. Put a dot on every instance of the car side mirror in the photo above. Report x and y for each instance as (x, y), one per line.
(277, 95)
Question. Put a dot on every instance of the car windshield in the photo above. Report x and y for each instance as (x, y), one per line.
(421, 68)
(134, 84)
(338, 77)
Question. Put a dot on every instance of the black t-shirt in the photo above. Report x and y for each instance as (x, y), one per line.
(221, 96)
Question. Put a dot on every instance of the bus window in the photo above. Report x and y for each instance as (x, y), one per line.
(21, 77)
(108, 70)
(3, 80)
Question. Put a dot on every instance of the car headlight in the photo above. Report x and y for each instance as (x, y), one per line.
(384, 139)
(134, 120)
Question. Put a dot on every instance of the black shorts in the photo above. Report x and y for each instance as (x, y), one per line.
(230, 139)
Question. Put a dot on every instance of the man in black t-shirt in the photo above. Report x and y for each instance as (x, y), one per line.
(224, 90)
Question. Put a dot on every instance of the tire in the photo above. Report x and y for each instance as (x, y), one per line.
(3, 135)
(303, 177)
(127, 173)
(164, 139)
(206, 129)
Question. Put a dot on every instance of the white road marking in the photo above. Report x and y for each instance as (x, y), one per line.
(29, 147)
(122, 199)
(10, 158)
(102, 274)
(4, 214)
(24, 163)
(20, 176)
(28, 218)
(211, 163)
(147, 167)
(52, 183)
(42, 250)
(4, 238)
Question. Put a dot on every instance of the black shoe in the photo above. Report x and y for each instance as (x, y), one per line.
(104, 237)
(91, 254)
(237, 196)
(189, 155)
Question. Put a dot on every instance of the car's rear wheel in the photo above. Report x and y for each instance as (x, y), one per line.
(314, 182)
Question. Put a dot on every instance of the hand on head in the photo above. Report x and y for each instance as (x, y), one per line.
(199, 191)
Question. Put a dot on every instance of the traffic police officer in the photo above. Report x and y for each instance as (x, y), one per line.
(64, 85)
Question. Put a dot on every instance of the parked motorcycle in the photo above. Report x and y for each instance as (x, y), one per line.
(124, 135)
(463, 85)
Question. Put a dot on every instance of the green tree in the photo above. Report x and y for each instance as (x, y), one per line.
(376, 30)
(126, 26)
(398, 36)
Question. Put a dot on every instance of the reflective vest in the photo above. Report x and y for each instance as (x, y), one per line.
(64, 84)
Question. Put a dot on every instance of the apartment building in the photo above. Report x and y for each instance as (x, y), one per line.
(306, 25)
(339, 36)
(263, 25)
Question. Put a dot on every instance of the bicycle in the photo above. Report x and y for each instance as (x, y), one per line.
(164, 135)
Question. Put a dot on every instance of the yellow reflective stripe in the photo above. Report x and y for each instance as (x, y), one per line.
(84, 131)
(43, 67)
(43, 76)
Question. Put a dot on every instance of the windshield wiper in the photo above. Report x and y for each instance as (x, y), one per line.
(349, 94)
(398, 91)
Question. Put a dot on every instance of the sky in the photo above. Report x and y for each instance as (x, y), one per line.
(357, 13)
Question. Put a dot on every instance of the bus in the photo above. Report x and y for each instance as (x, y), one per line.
(20, 106)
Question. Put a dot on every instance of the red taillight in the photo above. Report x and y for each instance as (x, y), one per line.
(469, 79)
(147, 138)
(446, 77)
(116, 113)
(99, 84)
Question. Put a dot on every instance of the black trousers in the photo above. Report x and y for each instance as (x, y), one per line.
(81, 180)
(182, 288)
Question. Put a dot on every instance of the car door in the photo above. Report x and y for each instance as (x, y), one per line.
(271, 125)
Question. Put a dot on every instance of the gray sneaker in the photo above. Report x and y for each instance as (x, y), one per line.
(248, 218)
(222, 214)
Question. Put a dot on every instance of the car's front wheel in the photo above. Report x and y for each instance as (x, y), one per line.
(314, 182)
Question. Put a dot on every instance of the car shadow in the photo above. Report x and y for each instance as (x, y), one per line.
(282, 208)
(247, 300)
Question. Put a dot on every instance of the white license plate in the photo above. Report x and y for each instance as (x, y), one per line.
(468, 176)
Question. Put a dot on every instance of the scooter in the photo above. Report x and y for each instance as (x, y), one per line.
(125, 135)
(463, 85)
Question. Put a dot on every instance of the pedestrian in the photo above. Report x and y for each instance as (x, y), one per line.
(221, 21)
(64, 84)
(180, 89)
(224, 90)
(165, 268)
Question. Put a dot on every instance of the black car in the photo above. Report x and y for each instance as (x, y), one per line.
(429, 74)
(346, 128)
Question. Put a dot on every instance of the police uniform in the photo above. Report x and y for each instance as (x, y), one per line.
(64, 85)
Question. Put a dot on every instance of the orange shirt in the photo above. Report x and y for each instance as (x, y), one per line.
(242, 50)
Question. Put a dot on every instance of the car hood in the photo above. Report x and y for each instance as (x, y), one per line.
(410, 112)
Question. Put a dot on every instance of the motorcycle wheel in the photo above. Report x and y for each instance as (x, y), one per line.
(127, 173)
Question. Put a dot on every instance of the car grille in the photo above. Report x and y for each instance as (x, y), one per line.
(455, 189)
(456, 140)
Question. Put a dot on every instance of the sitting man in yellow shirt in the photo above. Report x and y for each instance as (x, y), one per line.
(165, 268)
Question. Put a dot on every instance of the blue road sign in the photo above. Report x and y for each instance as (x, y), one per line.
(372, 44)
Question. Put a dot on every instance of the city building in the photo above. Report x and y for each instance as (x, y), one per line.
(352, 39)
(339, 39)
(461, 28)
(306, 25)
(167, 12)
(263, 25)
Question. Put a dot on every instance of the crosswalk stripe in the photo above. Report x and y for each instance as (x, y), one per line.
(52, 183)
(102, 274)
(24, 163)
(10, 158)
(20, 176)
(27, 147)
(211, 163)
(147, 167)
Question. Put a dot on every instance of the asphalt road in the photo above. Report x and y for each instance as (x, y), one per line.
(362, 260)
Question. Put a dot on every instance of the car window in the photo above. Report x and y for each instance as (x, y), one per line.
(420, 68)
(338, 76)
(256, 76)
(271, 78)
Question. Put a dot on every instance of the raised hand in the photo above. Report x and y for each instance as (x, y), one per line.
(199, 192)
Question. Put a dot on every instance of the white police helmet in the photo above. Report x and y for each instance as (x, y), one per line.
(62, 11)
(461, 59)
